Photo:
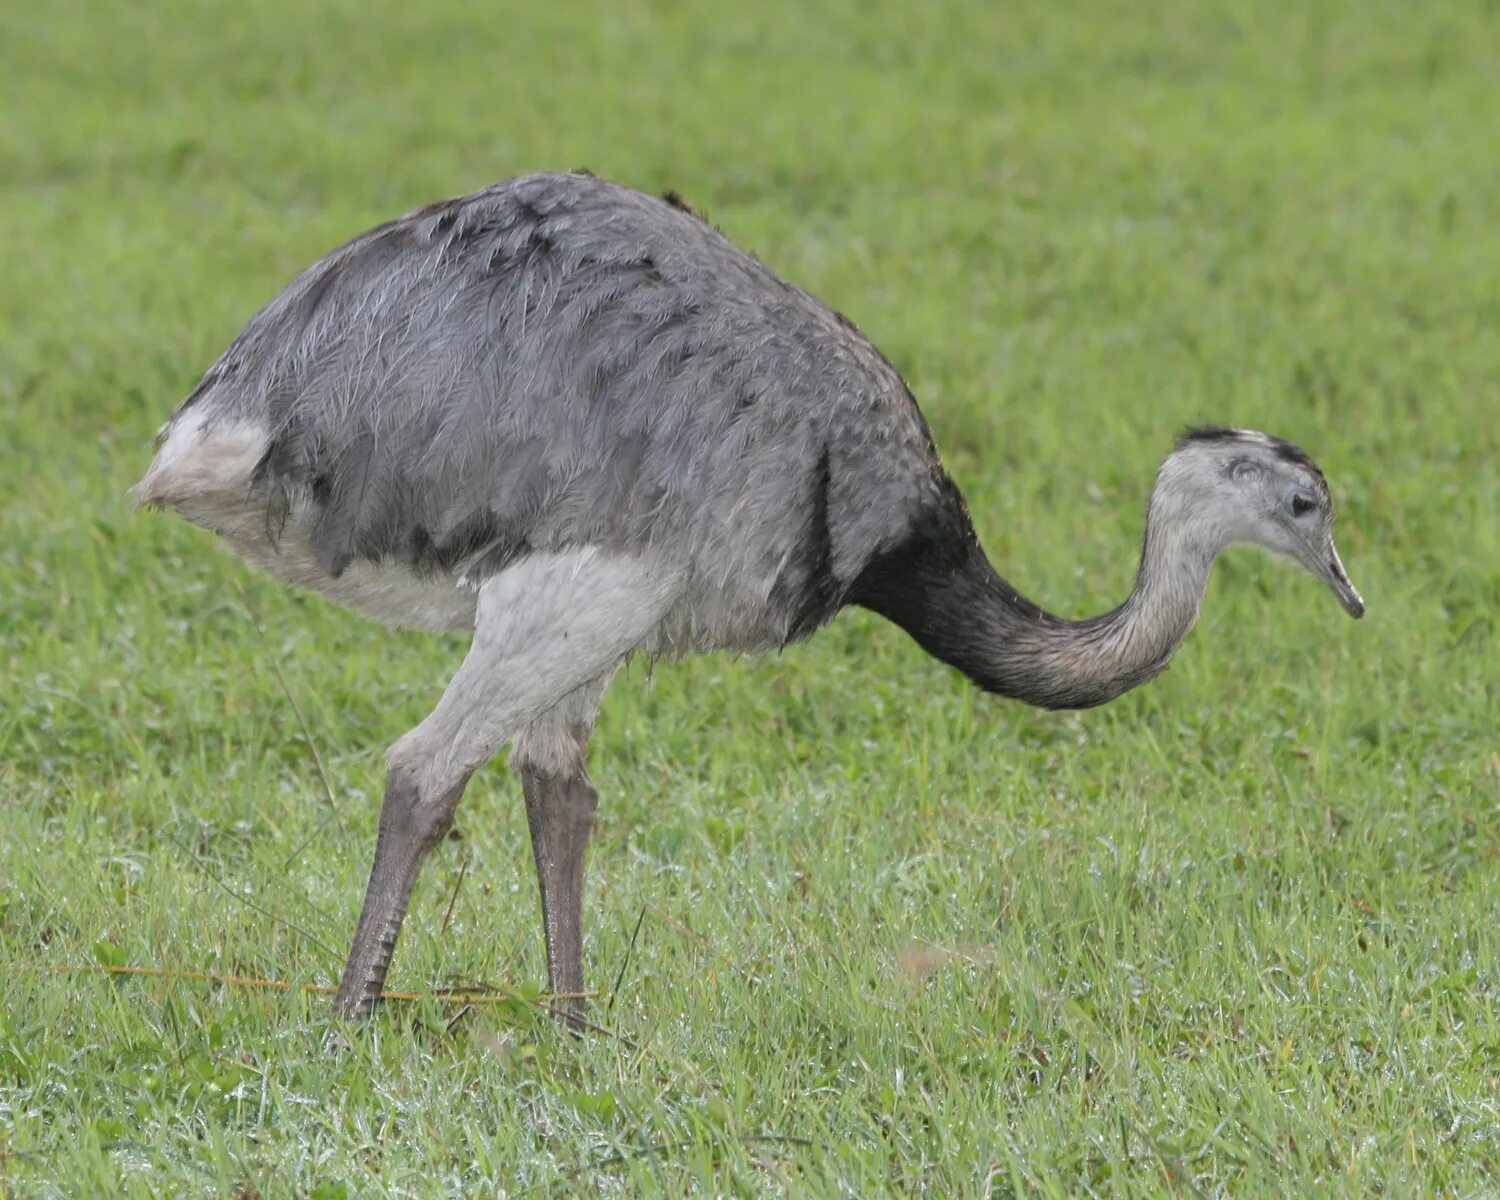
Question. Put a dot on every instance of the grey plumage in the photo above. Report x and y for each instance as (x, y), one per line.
(558, 361)
(579, 421)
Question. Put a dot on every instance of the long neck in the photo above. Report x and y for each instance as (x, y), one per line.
(944, 592)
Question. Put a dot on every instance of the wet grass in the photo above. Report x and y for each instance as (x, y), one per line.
(1232, 934)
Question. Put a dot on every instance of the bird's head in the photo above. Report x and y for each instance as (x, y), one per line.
(1244, 486)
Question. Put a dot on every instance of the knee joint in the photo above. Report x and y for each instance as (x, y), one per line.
(549, 749)
(418, 804)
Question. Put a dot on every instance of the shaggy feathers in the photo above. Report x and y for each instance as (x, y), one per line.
(557, 362)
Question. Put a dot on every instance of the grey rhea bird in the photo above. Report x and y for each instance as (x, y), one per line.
(575, 420)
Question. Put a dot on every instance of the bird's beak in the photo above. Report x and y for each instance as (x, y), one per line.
(1330, 569)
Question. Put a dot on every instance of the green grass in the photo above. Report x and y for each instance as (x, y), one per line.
(1233, 934)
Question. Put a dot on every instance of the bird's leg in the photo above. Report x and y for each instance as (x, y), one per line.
(560, 813)
(548, 632)
(409, 829)
(560, 802)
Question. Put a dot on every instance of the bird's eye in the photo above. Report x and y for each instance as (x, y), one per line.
(1302, 504)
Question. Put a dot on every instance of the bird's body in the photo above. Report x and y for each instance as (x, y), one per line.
(578, 421)
(552, 365)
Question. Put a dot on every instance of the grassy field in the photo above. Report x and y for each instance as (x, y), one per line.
(1234, 934)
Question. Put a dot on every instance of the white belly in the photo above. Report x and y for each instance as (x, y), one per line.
(204, 470)
(389, 592)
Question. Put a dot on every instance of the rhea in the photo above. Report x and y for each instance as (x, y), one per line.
(576, 421)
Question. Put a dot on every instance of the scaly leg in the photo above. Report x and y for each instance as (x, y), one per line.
(560, 813)
(560, 803)
(408, 832)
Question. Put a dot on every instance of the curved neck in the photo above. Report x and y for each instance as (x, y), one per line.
(1092, 661)
(960, 610)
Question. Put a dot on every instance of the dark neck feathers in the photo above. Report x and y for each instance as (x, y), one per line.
(939, 586)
